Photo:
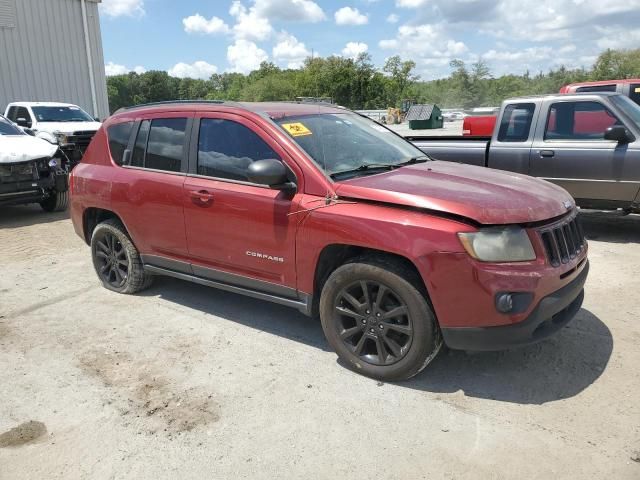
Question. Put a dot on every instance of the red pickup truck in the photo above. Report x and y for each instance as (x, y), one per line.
(326, 211)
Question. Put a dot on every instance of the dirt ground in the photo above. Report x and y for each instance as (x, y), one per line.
(188, 382)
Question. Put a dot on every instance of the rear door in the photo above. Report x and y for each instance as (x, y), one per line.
(570, 150)
(239, 232)
(147, 191)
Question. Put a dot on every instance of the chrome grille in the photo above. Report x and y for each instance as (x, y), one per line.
(563, 241)
(81, 138)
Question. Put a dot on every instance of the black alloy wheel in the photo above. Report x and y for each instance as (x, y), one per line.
(373, 322)
(112, 262)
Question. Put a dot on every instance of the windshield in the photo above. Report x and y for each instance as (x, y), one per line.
(628, 107)
(8, 128)
(61, 114)
(344, 142)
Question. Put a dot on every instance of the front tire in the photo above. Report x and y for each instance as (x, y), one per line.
(377, 320)
(56, 202)
(116, 259)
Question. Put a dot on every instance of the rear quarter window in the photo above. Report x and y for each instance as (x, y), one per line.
(119, 135)
(516, 122)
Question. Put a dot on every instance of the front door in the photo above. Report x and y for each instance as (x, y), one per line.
(238, 232)
(570, 150)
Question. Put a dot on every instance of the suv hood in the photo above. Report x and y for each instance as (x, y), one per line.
(23, 148)
(487, 196)
(67, 127)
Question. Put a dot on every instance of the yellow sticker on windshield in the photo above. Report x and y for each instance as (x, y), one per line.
(296, 129)
(637, 89)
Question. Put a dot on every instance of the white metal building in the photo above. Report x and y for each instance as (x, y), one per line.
(51, 50)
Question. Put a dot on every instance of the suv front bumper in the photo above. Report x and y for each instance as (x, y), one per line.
(551, 314)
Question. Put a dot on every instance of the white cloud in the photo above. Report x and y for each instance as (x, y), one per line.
(393, 18)
(120, 8)
(198, 24)
(428, 41)
(410, 3)
(290, 10)
(353, 49)
(251, 24)
(290, 50)
(112, 69)
(245, 56)
(612, 37)
(350, 16)
(199, 69)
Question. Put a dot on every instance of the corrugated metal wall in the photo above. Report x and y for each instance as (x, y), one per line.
(43, 58)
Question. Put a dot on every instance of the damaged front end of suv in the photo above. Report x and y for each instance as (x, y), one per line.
(31, 170)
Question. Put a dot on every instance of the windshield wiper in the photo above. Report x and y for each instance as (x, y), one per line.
(366, 167)
(413, 161)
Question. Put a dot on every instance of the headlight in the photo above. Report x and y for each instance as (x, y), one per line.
(500, 244)
(62, 138)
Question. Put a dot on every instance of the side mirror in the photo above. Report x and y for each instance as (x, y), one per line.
(96, 119)
(619, 134)
(269, 172)
(23, 122)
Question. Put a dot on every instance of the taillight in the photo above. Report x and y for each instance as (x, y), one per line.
(71, 182)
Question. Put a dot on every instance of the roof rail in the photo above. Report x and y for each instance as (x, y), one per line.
(175, 102)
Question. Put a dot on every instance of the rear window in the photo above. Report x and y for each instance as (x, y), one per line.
(166, 144)
(597, 88)
(516, 122)
(119, 140)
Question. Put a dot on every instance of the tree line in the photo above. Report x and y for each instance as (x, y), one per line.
(357, 84)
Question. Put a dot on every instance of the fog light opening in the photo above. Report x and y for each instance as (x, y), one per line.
(504, 302)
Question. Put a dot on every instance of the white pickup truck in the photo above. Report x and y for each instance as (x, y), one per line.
(62, 124)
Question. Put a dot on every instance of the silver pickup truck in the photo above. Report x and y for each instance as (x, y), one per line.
(587, 143)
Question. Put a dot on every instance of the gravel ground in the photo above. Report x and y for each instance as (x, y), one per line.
(189, 382)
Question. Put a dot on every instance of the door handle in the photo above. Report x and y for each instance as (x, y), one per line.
(201, 197)
(547, 153)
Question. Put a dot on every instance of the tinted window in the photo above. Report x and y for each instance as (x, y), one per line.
(137, 159)
(21, 112)
(166, 144)
(61, 114)
(597, 88)
(226, 148)
(7, 128)
(11, 114)
(516, 122)
(119, 140)
(634, 92)
(578, 121)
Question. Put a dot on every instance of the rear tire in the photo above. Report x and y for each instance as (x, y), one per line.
(378, 321)
(56, 202)
(116, 260)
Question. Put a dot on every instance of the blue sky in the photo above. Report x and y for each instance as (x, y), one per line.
(199, 37)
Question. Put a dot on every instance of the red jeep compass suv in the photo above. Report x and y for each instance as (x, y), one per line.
(321, 209)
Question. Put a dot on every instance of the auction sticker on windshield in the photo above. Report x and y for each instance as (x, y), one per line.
(296, 129)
